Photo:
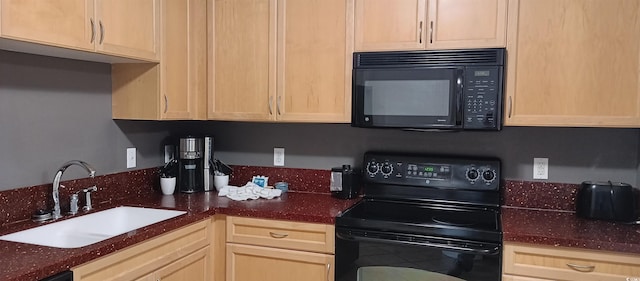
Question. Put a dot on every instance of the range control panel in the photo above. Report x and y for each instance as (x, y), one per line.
(432, 171)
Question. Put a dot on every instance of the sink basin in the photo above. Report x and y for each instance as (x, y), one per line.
(92, 228)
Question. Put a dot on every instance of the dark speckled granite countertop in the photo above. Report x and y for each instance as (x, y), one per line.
(558, 228)
(22, 262)
(543, 213)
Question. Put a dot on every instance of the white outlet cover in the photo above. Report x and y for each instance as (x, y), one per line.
(131, 157)
(541, 168)
(278, 156)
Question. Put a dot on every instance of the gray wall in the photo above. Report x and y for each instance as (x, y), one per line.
(54, 110)
(575, 154)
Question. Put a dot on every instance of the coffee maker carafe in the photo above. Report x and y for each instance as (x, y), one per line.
(191, 164)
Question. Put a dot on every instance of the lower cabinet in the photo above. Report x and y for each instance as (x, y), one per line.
(527, 262)
(271, 250)
(249, 263)
(183, 254)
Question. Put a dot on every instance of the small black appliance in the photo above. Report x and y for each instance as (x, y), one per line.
(345, 182)
(191, 163)
(610, 201)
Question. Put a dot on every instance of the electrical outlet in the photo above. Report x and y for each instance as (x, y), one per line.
(278, 156)
(541, 168)
(131, 157)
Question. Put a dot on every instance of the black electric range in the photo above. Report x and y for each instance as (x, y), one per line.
(423, 217)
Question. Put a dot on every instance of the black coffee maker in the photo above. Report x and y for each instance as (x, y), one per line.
(345, 182)
(191, 164)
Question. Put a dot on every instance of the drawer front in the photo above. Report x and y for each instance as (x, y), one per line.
(558, 263)
(141, 259)
(281, 234)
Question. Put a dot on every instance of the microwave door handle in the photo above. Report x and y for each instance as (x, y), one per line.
(459, 104)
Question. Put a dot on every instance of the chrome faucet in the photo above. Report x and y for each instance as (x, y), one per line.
(56, 183)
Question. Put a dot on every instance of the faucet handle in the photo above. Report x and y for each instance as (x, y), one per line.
(73, 205)
(87, 192)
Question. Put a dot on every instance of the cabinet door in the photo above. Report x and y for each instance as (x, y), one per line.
(390, 25)
(254, 263)
(194, 267)
(242, 51)
(128, 28)
(63, 23)
(183, 56)
(467, 23)
(573, 63)
(314, 60)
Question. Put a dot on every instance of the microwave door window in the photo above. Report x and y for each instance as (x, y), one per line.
(401, 102)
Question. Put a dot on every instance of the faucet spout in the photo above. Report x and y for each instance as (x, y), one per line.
(56, 183)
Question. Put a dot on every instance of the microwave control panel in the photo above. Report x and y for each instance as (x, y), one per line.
(482, 93)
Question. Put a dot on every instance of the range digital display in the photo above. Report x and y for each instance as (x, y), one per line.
(438, 172)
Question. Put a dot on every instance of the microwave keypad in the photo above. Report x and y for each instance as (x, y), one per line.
(481, 99)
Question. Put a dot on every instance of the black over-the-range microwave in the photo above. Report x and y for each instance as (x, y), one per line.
(436, 89)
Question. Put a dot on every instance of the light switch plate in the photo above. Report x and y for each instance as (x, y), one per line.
(541, 168)
(131, 157)
(278, 156)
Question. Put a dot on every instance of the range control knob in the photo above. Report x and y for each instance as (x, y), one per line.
(472, 174)
(372, 168)
(488, 175)
(386, 169)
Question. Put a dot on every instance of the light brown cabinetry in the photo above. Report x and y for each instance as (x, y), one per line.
(429, 24)
(182, 254)
(524, 262)
(259, 249)
(113, 27)
(290, 62)
(573, 63)
(175, 89)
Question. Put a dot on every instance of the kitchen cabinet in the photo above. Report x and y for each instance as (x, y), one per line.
(573, 63)
(113, 27)
(175, 89)
(291, 62)
(527, 262)
(429, 24)
(183, 254)
(260, 249)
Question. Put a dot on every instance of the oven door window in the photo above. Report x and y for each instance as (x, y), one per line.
(380, 261)
(416, 98)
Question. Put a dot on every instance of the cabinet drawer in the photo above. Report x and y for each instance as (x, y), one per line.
(141, 259)
(559, 263)
(281, 234)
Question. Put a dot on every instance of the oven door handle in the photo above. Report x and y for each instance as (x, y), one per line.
(491, 251)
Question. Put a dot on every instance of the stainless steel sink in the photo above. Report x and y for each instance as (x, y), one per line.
(92, 228)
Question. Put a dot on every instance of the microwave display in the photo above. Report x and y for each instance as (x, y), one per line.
(389, 97)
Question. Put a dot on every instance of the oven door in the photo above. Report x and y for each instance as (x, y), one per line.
(422, 98)
(385, 256)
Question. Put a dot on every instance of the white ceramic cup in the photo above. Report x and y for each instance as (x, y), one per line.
(220, 181)
(168, 185)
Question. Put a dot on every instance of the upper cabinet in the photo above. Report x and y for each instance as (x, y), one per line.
(573, 63)
(176, 88)
(113, 27)
(314, 60)
(128, 28)
(290, 62)
(429, 24)
(242, 48)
